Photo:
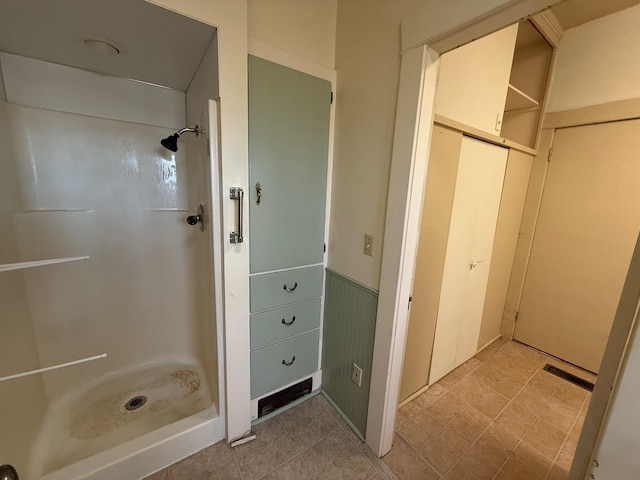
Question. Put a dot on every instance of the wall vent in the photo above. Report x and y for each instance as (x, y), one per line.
(284, 397)
(569, 377)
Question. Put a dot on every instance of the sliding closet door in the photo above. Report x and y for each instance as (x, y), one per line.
(473, 222)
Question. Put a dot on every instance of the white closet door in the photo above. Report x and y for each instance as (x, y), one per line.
(466, 271)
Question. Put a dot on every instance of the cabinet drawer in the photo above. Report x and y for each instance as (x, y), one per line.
(268, 371)
(275, 325)
(270, 290)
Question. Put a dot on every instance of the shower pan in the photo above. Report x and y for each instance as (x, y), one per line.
(112, 362)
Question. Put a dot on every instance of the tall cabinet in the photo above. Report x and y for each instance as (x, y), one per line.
(289, 114)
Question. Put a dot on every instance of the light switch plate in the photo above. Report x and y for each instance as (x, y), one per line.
(368, 244)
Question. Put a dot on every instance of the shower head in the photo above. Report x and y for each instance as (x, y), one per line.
(7, 472)
(171, 142)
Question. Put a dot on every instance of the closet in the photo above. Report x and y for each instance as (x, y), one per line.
(288, 158)
(487, 117)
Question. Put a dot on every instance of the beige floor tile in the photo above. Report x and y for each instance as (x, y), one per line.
(353, 467)
(301, 413)
(507, 386)
(437, 457)
(446, 407)
(321, 456)
(469, 366)
(496, 445)
(559, 415)
(417, 469)
(536, 463)
(407, 412)
(545, 438)
(449, 380)
(486, 375)
(565, 459)
(419, 429)
(558, 473)
(490, 403)
(307, 434)
(254, 465)
(216, 456)
(430, 396)
(544, 382)
(516, 420)
(229, 472)
(501, 361)
(475, 462)
(463, 428)
(476, 418)
(452, 443)
(460, 473)
(531, 400)
(524, 369)
(516, 470)
(190, 467)
(400, 453)
(468, 390)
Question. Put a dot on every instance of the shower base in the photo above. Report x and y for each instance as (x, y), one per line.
(119, 418)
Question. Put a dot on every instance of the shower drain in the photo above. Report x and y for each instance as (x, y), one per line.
(136, 402)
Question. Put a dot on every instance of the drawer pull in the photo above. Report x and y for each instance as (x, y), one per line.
(290, 363)
(293, 319)
(290, 289)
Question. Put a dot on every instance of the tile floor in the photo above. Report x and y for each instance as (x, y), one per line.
(308, 441)
(498, 416)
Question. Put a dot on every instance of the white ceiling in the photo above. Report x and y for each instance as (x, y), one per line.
(572, 13)
(158, 46)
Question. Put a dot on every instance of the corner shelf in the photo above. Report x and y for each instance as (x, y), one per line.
(518, 100)
(8, 267)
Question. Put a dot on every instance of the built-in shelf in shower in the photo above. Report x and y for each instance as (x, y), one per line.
(8, 267)
(53, 367)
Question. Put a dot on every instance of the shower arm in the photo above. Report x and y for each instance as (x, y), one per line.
(194, 130)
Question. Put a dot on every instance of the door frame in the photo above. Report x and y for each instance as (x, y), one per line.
(435, 28)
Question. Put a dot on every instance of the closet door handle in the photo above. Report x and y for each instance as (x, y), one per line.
(290, 289)
(236, 193)
(284, 362)
(284, 322)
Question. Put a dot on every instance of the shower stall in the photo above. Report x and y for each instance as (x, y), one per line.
(111, 359)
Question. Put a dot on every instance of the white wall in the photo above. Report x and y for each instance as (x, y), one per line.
(598, 63)
(368, 65)
(22, 402)
(304, 28)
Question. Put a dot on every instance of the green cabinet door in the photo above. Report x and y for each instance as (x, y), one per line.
(288, 152)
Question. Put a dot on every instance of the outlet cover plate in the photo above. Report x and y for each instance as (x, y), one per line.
(356, 375)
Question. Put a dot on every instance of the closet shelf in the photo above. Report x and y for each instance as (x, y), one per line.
(517, 100)
(7, 267)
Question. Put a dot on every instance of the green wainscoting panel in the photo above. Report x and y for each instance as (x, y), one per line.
(349, 330)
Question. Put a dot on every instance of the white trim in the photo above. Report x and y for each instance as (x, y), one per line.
(414, 123)
(9, 267)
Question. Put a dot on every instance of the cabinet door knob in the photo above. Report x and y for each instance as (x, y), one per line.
(293, 319)
(284, 362)
(290, 289)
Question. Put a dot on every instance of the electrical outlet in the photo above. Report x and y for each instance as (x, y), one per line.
(356, 375)
(368, 244)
